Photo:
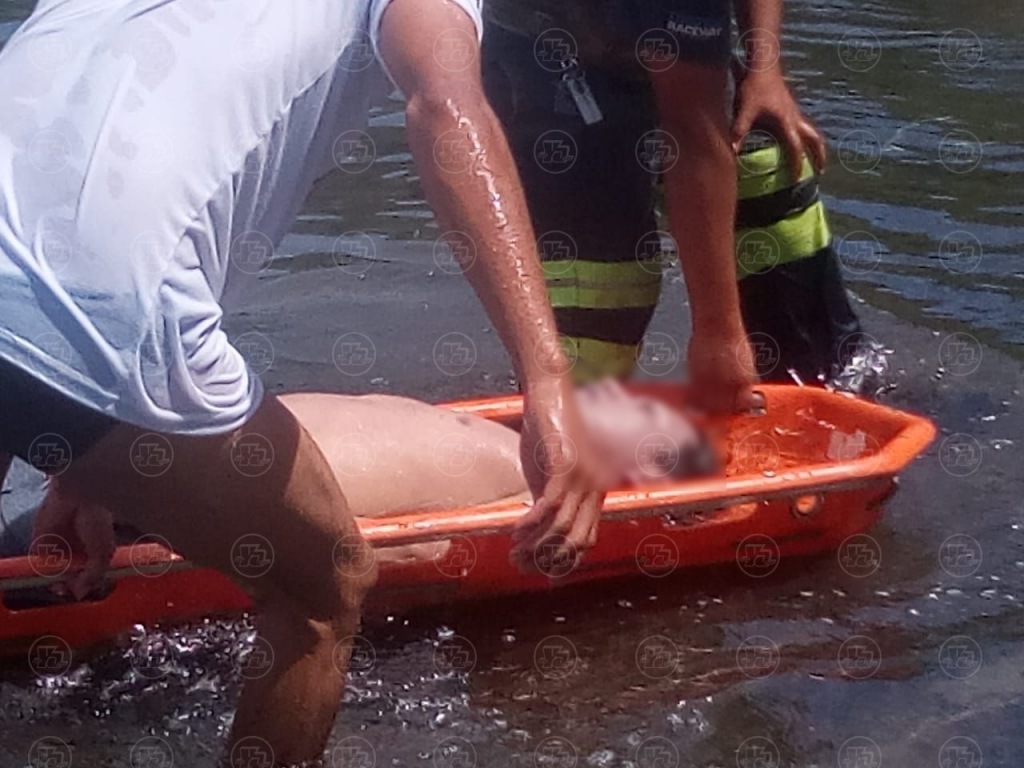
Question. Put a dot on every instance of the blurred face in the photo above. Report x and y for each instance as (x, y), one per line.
(640, 439)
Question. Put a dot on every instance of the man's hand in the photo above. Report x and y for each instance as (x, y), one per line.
(722, 372)
(560, 472)
(763, 98)
(80, 524)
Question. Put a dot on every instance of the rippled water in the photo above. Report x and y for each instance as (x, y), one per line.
(906, 646)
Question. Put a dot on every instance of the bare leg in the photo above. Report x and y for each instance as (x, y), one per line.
(218, 505)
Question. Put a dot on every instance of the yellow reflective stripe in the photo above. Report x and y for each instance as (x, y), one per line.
(760, 173)
(796, 237)
(595, 359)
(600, 285)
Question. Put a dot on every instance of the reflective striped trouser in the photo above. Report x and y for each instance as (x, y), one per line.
(592, 206)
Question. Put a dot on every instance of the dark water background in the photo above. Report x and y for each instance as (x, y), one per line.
(928, 159)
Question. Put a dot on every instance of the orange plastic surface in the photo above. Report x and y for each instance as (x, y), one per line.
(801, 479)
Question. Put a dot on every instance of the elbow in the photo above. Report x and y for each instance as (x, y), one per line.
(444, 108)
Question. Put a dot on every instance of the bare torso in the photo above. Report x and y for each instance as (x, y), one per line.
(393, 454)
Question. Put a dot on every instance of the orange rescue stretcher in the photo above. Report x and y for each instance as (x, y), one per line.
(812, 471)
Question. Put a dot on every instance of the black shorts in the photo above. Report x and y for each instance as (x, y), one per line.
(799, 318)
(42, 426)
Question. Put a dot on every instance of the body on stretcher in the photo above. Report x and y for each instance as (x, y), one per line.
(801, 479)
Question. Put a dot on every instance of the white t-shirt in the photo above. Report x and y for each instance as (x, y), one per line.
(151, 153)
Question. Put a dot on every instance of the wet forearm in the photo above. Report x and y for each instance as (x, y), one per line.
(760, 27)
(471, 182)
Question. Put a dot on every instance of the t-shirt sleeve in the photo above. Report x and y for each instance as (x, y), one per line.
(377, 8)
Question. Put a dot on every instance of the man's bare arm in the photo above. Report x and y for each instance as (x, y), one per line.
(470, 179)
(762, 93)
(701, 193)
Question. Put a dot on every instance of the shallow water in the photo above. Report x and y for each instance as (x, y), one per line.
(903, 650)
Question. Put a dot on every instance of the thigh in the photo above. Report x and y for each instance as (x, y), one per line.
(259, 503)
